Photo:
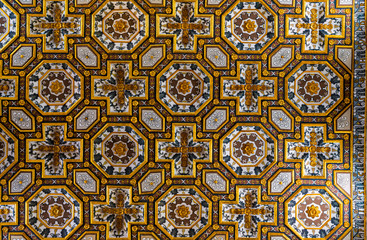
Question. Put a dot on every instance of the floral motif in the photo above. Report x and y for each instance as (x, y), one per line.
(185, 26)
(185, 87)
(314, 88)
(249, 88)
(345, 55)
(119, 150)
(8, 88)
(248, 212)
(55, 87)
(313, 213)
(183, 212)
(55, 211)
(249, 26)
(314, 151)
(120, 25)
(315, 25)
(56, 26)
(248, 150)
(54, 151)
(184, 150)
(119, 213)
(119, 87)
(8, 213)
(9, 25)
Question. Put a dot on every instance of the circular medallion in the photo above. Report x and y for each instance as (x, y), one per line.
(120, 25)
(249, 26)
(183, 212)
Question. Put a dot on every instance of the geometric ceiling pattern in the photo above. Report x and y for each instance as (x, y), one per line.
(182, 119)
